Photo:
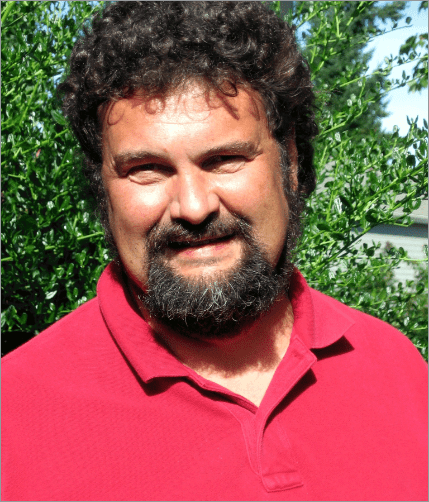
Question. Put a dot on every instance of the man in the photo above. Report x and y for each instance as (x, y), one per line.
(206, 368)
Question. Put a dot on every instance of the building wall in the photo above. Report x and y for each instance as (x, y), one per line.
(412, 239)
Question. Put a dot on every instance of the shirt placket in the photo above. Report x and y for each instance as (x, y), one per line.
(269, 451)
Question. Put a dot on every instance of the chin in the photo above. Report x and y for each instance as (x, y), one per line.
(217, 304)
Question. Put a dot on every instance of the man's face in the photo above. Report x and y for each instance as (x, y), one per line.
(197, 176)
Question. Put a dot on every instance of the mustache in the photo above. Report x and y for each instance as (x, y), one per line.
(165, 237)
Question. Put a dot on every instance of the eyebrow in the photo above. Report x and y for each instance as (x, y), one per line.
(235, 147)
(121, 160)
(249, 148)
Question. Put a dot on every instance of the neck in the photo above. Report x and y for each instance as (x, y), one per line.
(258, 347)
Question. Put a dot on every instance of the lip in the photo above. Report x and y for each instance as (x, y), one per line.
(196, 244)
(202, 249)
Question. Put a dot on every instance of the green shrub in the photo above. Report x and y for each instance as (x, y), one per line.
(366, 175)
(53, 249)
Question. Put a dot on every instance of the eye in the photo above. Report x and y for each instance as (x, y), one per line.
(148, 173)
(143, 167)
(224, 163)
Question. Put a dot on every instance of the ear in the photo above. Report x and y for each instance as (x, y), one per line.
(293, 159)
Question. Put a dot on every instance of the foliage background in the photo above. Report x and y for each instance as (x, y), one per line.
(53, 249)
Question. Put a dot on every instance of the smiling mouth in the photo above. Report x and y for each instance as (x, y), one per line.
(204, 242)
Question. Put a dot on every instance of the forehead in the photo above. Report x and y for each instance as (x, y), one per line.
(184, 125)
(194, 104)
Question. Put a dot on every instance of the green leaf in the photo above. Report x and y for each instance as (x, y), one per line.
(58, 117)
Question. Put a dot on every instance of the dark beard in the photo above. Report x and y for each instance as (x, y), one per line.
(221, 305)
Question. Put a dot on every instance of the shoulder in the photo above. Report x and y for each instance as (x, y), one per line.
(374, 337)
(62, 340)
(365, 325)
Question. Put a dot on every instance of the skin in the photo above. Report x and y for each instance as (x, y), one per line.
(189, 157)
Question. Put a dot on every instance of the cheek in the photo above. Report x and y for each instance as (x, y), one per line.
(261, 200)
(260, 196)
(133, 211)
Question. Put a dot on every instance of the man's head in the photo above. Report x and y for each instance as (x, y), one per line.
(196, 120)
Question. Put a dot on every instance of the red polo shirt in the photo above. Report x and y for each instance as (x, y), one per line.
(94, 408)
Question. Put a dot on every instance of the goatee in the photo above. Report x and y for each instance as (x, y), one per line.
(219, 305)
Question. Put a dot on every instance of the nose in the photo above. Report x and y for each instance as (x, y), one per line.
(194, 199)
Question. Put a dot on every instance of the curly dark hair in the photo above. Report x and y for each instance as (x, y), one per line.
(159, 46)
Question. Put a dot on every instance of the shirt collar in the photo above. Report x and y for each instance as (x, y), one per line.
(314, 323)
(149, 358)
(319, 320)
